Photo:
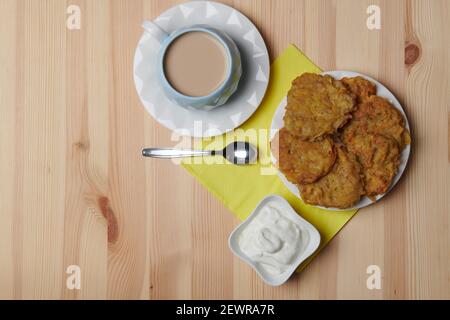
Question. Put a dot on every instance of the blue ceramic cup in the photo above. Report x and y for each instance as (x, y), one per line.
(215, 98)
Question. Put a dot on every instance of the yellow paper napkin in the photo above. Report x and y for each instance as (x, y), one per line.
(241, 188)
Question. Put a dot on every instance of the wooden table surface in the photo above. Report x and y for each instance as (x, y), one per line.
(75, 190)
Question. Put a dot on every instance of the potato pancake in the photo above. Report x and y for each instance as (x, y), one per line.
(379, 158)
(341, 188)
(360, 88)
(317, 105)
(377, 115)
(302, 161)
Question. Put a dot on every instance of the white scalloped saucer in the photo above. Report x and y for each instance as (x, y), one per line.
(252, 86)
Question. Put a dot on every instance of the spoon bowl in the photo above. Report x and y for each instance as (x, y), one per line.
(240, 153)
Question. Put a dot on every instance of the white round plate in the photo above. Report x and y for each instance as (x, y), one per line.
(252, 86)
(382, 91)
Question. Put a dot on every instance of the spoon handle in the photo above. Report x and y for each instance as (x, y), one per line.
(173, 153)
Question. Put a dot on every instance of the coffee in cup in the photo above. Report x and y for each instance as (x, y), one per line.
(199, 67)
(195, 64)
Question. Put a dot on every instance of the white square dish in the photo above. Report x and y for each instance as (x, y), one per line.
(288, 212)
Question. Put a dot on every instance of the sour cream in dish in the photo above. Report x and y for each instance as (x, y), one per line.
(272, 239)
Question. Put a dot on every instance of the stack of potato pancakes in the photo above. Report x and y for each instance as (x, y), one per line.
(340, 141)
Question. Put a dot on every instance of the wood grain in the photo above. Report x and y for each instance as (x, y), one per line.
(75, 190)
